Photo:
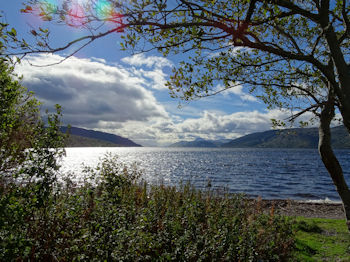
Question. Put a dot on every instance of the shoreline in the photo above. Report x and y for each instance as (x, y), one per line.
(305, 208)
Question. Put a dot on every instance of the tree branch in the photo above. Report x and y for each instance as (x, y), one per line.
(346, 19)
(250, 11)
(291, 6)
(289, 36)
(312, 108)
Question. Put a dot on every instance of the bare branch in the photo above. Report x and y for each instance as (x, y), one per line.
(217, 92)
(346, 19)
(250, 11)
(295, 8)
(272, 18)
(312, 108)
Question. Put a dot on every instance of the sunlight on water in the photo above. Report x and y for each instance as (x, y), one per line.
(270, 173)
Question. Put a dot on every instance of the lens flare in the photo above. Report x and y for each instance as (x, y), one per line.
(105, 10)
(49, 6)
(77, 13)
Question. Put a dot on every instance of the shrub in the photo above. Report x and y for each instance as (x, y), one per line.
(29, 152)
(121, 218)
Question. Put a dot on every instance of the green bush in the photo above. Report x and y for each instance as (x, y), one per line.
(121, 218)
(29, 153)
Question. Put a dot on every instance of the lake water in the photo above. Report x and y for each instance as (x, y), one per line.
(270, 173)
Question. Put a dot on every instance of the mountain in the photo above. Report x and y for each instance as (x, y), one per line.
(80, 137)
(195, 143)
(285, 138)
(199, 142)
(340, 137)
(290, 138)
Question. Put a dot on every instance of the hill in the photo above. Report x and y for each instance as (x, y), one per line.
(199, 142)
(80, 137)
(286, 138)
(341, 138)
(196, 143)
(290, 138)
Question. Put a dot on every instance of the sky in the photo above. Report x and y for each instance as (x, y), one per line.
(106, 89)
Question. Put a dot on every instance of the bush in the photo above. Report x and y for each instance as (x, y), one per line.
(29, 153)
(121, 218)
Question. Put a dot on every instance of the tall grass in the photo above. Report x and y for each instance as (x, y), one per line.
(120, 218)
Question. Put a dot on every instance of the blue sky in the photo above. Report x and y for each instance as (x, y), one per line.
(104, 88)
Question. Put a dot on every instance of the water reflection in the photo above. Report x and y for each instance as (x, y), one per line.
(270, 173)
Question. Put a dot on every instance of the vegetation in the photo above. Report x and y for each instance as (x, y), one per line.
(116, 218)
(29, 151)
(322, 240)
(81, 141)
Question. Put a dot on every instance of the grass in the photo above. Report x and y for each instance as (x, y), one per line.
(322, 240)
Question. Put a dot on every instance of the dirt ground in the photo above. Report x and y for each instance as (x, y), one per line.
(300, 208)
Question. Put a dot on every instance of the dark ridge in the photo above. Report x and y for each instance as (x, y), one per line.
(84, 137)
(200, 143)
(284, 138)
(290, 138)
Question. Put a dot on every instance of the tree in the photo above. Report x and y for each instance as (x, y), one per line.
(23, 135)
(292, 54)
(29, 151)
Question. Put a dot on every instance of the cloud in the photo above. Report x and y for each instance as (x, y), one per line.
(148, 61)
(237, 90)
(218, 125)
(117, 99)
(91, 91)
(150, 68)
(231, 125)
(157, 77)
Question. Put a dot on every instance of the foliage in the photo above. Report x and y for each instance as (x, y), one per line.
(29, 166)
(80, 141)
(29, 153)
(116, 217)
(322, 240)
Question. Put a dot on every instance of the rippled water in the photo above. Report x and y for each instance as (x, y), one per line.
(269, 173)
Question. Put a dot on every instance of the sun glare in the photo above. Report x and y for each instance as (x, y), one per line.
(76, 12)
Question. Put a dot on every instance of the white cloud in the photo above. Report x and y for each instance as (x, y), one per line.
(115, 99)
(150, 68)
(157, 77)
(232, 125)
(216, 125)
(210, 125)
(148, 61)
(237, 90)
(91, 91)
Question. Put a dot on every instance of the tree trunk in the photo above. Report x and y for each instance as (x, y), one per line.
(337, 55)
(330, 160)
